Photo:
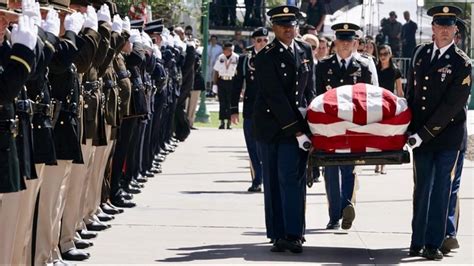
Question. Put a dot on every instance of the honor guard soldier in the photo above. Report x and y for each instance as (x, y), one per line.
(16, 63)
(451, 242)
(284, 73)
(225, 69)
(246, 75)
(341, 69)
(438, 87)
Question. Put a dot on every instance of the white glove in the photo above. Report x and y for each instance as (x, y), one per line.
(25, 32)
(303, 141)
(31, 9)
(414, 141)
(117, 25)
(214, 88)
(103, 14)
(91, 19)
(74, 22)
(135, 36)
(52, 23)
(303, 111)
(126, 24)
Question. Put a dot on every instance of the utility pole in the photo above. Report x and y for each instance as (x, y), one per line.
(202, 114)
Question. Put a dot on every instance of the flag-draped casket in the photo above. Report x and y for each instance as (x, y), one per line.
(358, 118)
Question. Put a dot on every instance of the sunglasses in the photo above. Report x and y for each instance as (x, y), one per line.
(261, 40)
(314, 47)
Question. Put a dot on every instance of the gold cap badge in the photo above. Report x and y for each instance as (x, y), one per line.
(445, 9)
(346, 26)
(286, 10)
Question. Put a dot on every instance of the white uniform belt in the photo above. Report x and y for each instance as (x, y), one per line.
(225, 77)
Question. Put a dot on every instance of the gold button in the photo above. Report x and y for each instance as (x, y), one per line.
(39, 126)
(341, 80)
(297, 102)
(424, 88)
(296, 93)
(284, 74)
(427, 78)
(268, 110)
(452, 119)
(423, 98)
(423, 108)
(62, 122)
(297, 83)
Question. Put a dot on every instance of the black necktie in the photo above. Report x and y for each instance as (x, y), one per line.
(343, 65)
(435, 58)
(291, 51)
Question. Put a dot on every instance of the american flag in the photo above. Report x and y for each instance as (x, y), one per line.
(358, 118)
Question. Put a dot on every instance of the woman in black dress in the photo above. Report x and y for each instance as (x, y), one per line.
(390, 78)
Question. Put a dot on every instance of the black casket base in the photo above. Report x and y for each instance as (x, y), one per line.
(364, 158)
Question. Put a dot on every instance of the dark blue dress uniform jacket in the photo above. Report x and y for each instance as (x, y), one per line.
(15, 66)
(285, 83)
(245, 73)
(438, 95)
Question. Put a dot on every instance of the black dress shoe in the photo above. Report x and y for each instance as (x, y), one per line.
(222, 126)
(141, 179)
(193, 128)
(414, 252)
(82, 244)
(164, 152)
(87, 234)
(148, 174)
(97, 226)
(295, 246)
(123, 203)
(135, 184)
(75, 255)
(155, 170)
(104, 217)
(126, 195)
(110, 210)
(333, 225)
(348, 216)
(449, 243)
(254, 189)
(432, 254)
(132, 190)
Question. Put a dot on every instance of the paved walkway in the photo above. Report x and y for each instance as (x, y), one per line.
(198, 211)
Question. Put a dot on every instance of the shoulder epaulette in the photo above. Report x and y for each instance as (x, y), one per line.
(269, 47)
(463, 55)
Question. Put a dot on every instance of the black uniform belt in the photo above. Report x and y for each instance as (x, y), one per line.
(44, 109)
(69, 107)
(9, 126)
(123, 74)
(109, 84)
(91, 86)
(24, 106)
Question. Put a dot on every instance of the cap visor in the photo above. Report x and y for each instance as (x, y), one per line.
(345, 37)
(285, 22)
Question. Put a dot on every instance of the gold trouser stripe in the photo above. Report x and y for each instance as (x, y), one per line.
(428, 131)
(18, 59)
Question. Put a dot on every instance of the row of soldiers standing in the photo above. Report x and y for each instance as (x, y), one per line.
(83, 95)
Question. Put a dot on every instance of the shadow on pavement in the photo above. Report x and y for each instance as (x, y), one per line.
(233, 181)
(217, 192)
(261, 252)
(206, 173)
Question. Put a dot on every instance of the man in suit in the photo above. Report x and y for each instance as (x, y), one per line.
(246, 73)
(438, 87)
(343, 68)
(285, 86)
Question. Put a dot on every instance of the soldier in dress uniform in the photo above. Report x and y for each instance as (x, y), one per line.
(224, 72)
(341, 69)
(16, 60)
(246, 74)
(438, 87)
(285, 85)
(450, 242)
(75, 52)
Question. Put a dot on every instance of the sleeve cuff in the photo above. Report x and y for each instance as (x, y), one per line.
(292, 128)
(22, 55)
(425, 134)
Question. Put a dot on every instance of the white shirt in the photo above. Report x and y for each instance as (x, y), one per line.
(441, 50)
(226, 67)
(212, 53)
(372, 68)
(292, 45)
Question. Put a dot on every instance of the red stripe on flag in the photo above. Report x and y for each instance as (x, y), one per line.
(359, 100)
(358, 142)
(322, 118)
(330, 102)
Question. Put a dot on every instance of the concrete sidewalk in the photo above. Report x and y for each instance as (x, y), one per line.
(198, 211)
